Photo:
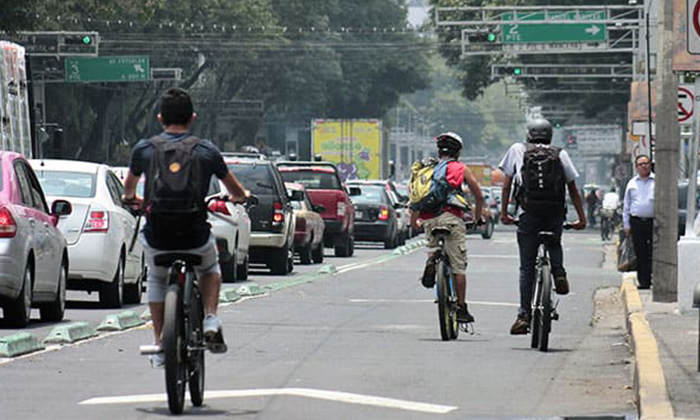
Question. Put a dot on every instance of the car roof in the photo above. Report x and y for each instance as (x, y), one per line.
(321, 169)
(66, 165)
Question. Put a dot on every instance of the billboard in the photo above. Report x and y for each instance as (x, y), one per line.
(355, 146)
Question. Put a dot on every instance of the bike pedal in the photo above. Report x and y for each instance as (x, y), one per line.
(150, 349)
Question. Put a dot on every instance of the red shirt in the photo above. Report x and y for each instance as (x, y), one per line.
(455, 177)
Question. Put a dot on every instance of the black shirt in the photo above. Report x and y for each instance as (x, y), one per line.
(190, 235)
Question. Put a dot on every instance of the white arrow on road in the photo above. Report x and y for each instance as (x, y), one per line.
(344, 397)
(593, 30)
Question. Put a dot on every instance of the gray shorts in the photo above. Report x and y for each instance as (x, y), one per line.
(455, 244)
(158, 276)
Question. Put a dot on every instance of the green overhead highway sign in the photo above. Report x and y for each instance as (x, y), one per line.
(108, 69)
(554, 32)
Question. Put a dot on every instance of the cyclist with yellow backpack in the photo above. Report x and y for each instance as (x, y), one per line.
(437, 201)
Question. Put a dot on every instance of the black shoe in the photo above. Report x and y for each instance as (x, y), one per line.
(428, 279)
(561, 284)
(521, 326)
(463, 315)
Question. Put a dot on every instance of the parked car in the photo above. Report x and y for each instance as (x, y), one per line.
(403, 193)
(323, 184)
(308, 236)
(33, 251)
(272, 219)
(230, 225)
(376, 218)
(99, 231)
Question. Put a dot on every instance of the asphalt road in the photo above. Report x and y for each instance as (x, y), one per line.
(363, 343)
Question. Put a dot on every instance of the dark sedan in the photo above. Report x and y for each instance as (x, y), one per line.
(375, 216)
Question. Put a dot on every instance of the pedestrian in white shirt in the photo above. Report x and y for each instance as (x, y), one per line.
(638, 217)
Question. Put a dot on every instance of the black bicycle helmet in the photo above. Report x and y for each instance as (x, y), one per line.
(539, 130)
(449, 143)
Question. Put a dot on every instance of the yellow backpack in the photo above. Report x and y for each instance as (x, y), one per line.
(421, 181)
(429, 190)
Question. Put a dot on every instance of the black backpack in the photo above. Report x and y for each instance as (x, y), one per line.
(174, 202)
(542, 191)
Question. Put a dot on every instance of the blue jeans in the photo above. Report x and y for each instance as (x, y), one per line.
(528, 242)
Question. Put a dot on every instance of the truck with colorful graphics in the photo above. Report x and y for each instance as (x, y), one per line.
(355, 146)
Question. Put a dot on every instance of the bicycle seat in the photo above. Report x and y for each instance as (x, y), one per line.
(440, 232)
(166, 260)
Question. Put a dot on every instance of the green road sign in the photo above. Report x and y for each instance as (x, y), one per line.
(108, 69)
(554, 32)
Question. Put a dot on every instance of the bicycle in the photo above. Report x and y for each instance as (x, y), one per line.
(543, 309)
(445, 291)
(609, 221)
(183, 343)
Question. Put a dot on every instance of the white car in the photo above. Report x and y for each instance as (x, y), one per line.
(99, 231)
(230, 224)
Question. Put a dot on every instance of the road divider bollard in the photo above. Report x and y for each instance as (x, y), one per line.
(120, 322)
(67, 334)
(19, 344)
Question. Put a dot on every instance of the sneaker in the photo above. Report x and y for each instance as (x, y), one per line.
(521, 326)
(561, 284)
(463, 315)
(428, 279)
(213, 334)
(157, 360)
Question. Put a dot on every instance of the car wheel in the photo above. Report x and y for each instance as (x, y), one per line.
(391, 242)
(18, 312)
(242, 270)
(54, 311)
(228, 270)
(278, 263)
(112, 293)
(343, 248)
(317, 254)
(290, 261)
(305, 256)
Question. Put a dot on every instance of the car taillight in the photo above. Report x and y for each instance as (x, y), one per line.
(98, 221)
(278, 215)
(341, 208)
(218, 206)
(383, 213)
(8, 227)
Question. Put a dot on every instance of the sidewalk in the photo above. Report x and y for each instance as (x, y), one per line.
(665, 345)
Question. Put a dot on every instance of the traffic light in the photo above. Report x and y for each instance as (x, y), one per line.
(78, 43)
(483, 38)
(491, 37)
(571, 142)
(517, 71)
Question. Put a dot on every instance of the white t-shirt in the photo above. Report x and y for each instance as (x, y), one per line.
(611, 201)
(512, 163)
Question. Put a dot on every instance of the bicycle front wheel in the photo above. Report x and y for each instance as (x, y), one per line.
(545, 308)
(535, 314)
(196, 353)
(174, 349)
(446, 316)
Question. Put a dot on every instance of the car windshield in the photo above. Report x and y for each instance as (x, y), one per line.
(312, 180)
(369, 194)
(254, 177)
(67, 184)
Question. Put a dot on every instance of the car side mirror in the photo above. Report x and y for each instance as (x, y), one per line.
(319, 208)
(354, 191)
(61, 208)
(296, 195)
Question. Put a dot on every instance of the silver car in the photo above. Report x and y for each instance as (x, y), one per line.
(99, 231)
(33, 254)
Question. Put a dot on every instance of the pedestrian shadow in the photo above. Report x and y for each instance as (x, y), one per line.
(203, 411)
(550, 350)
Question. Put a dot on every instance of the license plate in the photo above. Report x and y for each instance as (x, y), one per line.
(358, 215)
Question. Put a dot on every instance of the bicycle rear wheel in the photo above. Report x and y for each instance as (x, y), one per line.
(447, 317)
(196, 353)
(174, 349)
(545, 308)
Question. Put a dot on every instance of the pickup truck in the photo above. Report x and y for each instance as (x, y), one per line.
(324, 187)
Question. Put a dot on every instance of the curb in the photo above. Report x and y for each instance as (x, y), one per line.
(252, 289)
(68, 334)
(229, 296)
(121, 321)
(18, 344)
(649, 381)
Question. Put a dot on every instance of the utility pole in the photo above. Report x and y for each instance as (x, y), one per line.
(665, 264)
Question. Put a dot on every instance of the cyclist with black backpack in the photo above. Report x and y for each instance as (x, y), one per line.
(437, 201)
(178, 168)
(542, 174)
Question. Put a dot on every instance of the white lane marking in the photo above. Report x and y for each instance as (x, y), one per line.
(494, 256)
(471, 302)
(344, 397)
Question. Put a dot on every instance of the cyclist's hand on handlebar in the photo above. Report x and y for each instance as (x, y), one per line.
(507, 219)
(579, 225)
(132, 204)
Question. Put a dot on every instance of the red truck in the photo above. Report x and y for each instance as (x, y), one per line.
(324, 187)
